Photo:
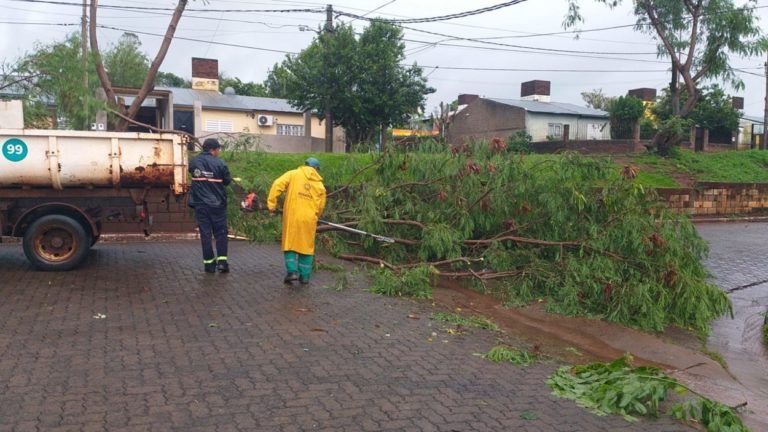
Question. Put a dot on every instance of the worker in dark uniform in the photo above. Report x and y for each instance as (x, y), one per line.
(209, 199)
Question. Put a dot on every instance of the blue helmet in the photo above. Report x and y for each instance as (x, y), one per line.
(313, 162)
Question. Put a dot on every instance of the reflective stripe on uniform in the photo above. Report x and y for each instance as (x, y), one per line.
(207, 179)
(222, 258)
(210, 261)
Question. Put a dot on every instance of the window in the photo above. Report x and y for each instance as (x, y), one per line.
(291, 130)
(555, 130)
(219, 126)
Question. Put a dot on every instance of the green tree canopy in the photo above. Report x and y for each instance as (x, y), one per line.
(52, 75)
(699, 37)
(126, 64)
(597, 99)
(168, 79)
(241, 88)
(363, 79)
(276, 83)
(714, 109)
(625, 112)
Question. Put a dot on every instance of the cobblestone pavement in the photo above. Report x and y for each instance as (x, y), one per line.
(139, 340)
(737, 261)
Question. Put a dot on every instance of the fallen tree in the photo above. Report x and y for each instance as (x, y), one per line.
(566, 229)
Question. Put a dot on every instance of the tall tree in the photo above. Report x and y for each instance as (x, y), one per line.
(276, 83)
(129, 113)
(43, 78)
(364, 78)
(126, 64)
(597, 99)
(698, 36)
(240, 87)
(169, 79)
(625, 111)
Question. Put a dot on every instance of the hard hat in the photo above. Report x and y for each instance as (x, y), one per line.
(314, 163)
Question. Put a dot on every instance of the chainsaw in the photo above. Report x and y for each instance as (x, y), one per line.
(251, 204)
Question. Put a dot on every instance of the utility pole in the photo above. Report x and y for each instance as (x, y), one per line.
(84, 42)
(328, 100)
(764, 140)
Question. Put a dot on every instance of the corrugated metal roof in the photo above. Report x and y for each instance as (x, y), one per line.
(752, 119)
(552, 107)
(216, 100)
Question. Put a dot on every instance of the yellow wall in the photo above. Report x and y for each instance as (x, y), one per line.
(243, 122)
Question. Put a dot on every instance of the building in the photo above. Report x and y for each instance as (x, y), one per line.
(534, 112)
(274, 124)
(750, 132)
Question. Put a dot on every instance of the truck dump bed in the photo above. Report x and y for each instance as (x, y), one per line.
(81, 159)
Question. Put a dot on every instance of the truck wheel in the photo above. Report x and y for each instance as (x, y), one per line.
(56, 243)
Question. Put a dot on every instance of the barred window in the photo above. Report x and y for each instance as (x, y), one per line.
(555, 130)
(291, 130)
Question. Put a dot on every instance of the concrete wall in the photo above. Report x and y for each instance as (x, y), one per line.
(595, 147)
(11, 114)
(485, 119)
(283, 143)
(718, 199)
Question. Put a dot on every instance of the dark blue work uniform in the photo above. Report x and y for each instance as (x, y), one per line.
(209, 199)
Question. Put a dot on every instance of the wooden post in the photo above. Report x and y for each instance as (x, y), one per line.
(764, 141)
(328, 102)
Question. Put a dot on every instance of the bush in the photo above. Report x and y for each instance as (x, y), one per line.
(520, 142)
(625, 112)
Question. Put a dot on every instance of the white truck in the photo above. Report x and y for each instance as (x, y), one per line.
(57, 187)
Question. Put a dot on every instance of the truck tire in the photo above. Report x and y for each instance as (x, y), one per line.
(56, 243)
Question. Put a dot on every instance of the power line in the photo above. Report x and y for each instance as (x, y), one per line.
(198, 40)
(451, 37)
(544, 70)
(502, 49)
(437, 18)
(142, 8)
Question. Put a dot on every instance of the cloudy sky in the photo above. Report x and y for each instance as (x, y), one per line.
(617, 59)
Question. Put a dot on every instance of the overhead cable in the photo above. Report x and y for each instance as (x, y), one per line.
(436, 18)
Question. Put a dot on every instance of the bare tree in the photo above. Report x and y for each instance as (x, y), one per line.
(149, 80)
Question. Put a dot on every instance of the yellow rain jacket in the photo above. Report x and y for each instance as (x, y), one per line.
(304, 202)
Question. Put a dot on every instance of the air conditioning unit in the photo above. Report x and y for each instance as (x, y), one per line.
(264, 120)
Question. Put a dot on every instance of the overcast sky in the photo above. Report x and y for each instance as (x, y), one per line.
(518, 25)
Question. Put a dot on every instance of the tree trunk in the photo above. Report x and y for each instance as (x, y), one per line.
(149, 80)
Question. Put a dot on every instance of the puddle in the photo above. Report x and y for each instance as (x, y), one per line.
(737, 262)
(676, 351)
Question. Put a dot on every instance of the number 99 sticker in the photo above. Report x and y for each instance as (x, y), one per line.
(15, 150)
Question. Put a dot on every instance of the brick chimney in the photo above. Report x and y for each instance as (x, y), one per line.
(466, 99)
(536, 90)
(644, 94)
(205, 74)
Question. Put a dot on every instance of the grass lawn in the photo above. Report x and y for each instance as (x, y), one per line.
(260, 169)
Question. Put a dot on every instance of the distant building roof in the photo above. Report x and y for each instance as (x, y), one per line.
(215, 100)
(552, 107)
(752, 119)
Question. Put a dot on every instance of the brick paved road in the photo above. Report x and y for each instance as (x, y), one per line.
(179, 350)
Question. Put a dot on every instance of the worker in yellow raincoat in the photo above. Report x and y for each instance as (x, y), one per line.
(304, 202)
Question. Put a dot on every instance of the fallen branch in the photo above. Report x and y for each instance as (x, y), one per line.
(354, 176)
(368, 259)
(526, 240)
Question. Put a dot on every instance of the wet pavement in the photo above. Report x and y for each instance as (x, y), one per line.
(738, 256)
(138, 339)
